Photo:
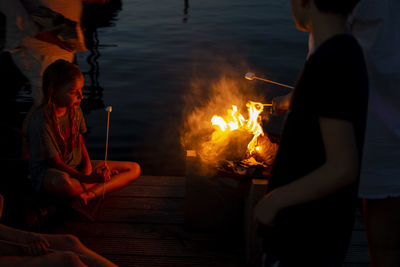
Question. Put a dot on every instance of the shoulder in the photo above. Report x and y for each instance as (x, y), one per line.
(343, 47)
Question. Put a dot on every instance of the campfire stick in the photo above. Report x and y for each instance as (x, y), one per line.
(251, 76)
(108, 109)
(50, 250)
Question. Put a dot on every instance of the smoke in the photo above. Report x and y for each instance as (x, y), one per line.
(213, 92)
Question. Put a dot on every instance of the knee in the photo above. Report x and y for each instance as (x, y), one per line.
(59, 183)
(135, 169)
(72, 241)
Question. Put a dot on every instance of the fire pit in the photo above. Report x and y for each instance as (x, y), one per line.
(221, 201)
(229, 158)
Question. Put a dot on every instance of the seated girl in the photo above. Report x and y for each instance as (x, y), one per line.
(59, 162)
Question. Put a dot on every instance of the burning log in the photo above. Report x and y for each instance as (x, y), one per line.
(265, 151)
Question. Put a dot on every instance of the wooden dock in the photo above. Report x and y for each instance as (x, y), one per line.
(143, 225)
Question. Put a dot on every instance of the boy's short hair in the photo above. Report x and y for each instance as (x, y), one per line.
(343, 7)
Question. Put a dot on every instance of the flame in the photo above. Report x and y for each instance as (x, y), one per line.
(234, 121)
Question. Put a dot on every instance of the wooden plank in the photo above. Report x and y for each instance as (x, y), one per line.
(143, 203)
(359, 238)
(357, 254)
(138, 216)
(356, 265)
(160, 181)
(133, 231)
(160, 247)
(157, 261)
(150, 191)
(359, 223)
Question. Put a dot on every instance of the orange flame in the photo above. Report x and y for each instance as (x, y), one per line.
(235, 121)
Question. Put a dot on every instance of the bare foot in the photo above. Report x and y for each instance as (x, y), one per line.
(79, 204)
(86, 196)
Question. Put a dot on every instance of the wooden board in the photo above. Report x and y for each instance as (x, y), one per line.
(130, 230)
(142, 225)
(134, 190)
(157, 261)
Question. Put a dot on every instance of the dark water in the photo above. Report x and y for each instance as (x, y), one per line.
(145, 56)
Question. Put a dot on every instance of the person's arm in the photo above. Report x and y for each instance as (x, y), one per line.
(339, 170)
(36, 244)
(87, 167)
(57, 163)
(33, 243)
(281, 104)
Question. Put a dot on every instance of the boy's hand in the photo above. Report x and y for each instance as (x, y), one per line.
(281, 103)
(266, 209)
(37, 245)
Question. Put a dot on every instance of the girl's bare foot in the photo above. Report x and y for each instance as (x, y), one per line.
(79, 204)
(86, 196)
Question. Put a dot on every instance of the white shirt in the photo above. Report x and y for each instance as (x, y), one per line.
(376, 25)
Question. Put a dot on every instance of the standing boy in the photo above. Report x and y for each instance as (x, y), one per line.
(308, 213)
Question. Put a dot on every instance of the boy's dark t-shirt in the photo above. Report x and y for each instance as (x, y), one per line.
(332, 84)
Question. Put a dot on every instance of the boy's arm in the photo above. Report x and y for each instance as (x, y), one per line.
(339, 170)
(281, 103)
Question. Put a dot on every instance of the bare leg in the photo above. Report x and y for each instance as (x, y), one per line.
(383, 232)
(68, 247)
(48, 260)
(127, 172)
(72, 243)
(59, 183)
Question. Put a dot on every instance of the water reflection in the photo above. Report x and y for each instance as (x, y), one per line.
(96, 16)
(186, 11)
(16, 96)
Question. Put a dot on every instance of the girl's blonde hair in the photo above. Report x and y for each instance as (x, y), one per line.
(57, 75)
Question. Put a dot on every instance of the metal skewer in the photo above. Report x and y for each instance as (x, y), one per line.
(108, 109)
(251, 76)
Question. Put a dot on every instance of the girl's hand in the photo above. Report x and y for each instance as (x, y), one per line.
(101, 174)
(266, 209)
(37, 245)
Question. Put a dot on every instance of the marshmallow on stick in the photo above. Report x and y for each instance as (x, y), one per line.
(251, 76)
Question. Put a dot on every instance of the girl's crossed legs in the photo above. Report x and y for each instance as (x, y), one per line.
(60, 183)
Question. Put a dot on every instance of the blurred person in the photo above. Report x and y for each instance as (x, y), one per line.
(376, 26)
(23, 248)
(38, 32)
